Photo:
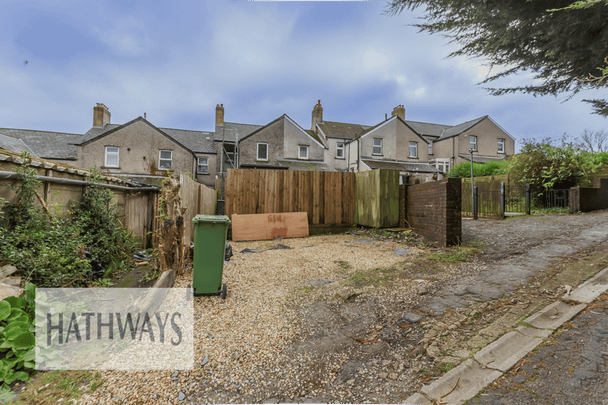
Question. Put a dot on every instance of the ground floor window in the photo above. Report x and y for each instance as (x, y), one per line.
(203, 165)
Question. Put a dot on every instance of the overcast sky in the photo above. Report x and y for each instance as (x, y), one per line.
(176, 60)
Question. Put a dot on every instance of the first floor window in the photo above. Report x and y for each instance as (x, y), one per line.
(203, 165)
(501, 145)
(111, 156)
(340, 150)
(303, 152)
(413, 149)
(473, 142)
(164, 159)
(377, 146)
(263, 151)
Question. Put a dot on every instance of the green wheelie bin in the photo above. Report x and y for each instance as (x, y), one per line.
(210, 233)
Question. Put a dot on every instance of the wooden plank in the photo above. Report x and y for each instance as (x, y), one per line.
(269, 226)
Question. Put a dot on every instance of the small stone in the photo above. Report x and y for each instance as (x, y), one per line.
(423, 291)
(433, 351)
(7, 271)
(393, 376)
(386, 363)
(181, 396)
(175, 374)
(383, 375)
(351, 381)
(401, 252)
(210, 336)
(205, 361)
(411, 318)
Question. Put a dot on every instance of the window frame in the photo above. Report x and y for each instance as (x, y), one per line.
(430, 146)
(107, 153)
(501, 145)
(300, 149)
(340, 147)
(160, 159)
(471, 138)
(374, 146)
(413, 144)
(198, 164)
(258, 151)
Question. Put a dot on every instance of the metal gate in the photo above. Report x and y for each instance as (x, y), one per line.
(557, 198)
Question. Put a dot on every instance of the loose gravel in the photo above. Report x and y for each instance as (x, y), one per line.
(240, 341)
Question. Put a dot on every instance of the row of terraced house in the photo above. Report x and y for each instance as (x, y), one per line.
(140, 150)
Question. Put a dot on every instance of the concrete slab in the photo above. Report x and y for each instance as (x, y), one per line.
(468, 379)
(590, 289)
(506, 351)
(554, 315)
(533, 332)
(417, 399)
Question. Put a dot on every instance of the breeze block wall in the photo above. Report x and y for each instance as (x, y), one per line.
(433, 210)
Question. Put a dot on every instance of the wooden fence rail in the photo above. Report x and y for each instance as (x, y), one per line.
(327, 197)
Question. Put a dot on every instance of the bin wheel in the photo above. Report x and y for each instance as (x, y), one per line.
(224, 291)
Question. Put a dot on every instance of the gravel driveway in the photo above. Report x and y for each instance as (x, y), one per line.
(357, 318)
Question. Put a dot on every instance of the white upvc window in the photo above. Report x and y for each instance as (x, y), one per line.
(202, 166)
(377, 150)
(443, 165)
(501, 145)
(165, 158)
(430, 146)
(112, 153)
(472, 142)
(262, 151)
(303, 152)
(413, 149)
(340, 150)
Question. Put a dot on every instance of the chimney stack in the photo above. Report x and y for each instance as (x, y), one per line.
(219, 115)
(101, 115)
(317, 115)
(399, 111)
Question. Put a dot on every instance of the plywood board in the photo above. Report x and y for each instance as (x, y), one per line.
(269, 226)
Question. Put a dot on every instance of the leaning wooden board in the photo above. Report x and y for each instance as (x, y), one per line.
(269, 226)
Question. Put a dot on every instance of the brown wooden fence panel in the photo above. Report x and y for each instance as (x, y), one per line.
(377, 198)
(327, 197)
(196, 198)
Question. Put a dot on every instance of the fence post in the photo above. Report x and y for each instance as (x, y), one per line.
(475, 201)
(503, 200)
(528, 196)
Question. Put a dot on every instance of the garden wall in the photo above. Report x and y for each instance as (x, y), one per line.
(433, 209)
(135, 207)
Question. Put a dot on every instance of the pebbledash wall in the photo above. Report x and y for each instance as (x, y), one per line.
(585, 199)
(433, 209)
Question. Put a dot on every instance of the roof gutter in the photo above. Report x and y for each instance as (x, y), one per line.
(14, 175)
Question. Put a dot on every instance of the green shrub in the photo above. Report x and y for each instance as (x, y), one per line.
(463, 170)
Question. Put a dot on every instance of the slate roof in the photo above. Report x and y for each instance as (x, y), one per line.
(426, 128)
(8, 143)
(45, 144)
(479, 158)
(341, 130)
(460, 128)
(411, 167)
(306, 165)
(231, 130)
(195, 141)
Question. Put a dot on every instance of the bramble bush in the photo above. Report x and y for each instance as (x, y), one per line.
(52, 251)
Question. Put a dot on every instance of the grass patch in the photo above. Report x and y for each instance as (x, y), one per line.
(50, 387)
(554, 210)
(375, 277)
(454, 255)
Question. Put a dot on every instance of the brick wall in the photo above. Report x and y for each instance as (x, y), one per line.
(585, 199)
(433, 210)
